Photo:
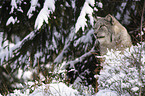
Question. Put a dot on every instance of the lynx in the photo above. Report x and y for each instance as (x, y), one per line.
(111, 34)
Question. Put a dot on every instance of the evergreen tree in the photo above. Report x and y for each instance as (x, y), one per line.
(40, 33)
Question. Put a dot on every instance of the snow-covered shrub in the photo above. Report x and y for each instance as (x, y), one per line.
(121, 71)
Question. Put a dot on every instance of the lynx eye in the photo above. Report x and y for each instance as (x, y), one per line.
(100, 36)
(103, 27)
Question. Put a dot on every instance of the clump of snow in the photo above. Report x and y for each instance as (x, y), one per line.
(81, 21)
(43, 15)
(73, 3)
(14, 5)
(100, 4)
(121, 71)
(11, 20)
(91, 2)
(34, 3)
(87, 10)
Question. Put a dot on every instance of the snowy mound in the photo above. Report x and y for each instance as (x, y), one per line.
(58, 89)
(106, 93)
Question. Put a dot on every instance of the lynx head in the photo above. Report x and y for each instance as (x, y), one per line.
(111, 34)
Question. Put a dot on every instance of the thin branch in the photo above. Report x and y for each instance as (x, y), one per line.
(81, 58)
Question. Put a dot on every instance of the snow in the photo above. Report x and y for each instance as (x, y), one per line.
(100, 5)
(27, 75)
(118, 16)
(120, 71)
(91, 2)
(122, 6)
(68, 40)
(85, 38)
(73, 4)
(32, 8)
(14, 5)
(18, 93)
(66, 4)
(81, 21)
(135, 89)
(58, 89)
(11, 20)
(43, 15)
(127, 17)
(106, 93)
(118, 78)
(5, 53)
(53, 89)
(1, 39)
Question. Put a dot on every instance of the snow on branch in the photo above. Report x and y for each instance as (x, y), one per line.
(44, 13)
(11, 20)
(68, 40)
(14, 5)
(7, 50)
(85, 38)
(81, 21)
(34, 3)
(81, 58)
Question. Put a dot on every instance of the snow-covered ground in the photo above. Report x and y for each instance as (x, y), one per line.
(119, 77)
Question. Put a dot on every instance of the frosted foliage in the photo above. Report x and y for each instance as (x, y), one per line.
(120, 71)
(81, 21)
(43, 15)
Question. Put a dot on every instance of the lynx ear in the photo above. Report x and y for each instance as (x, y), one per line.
(95, 19)
(110, 19)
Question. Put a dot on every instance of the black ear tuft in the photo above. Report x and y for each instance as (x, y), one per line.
(111, 38)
